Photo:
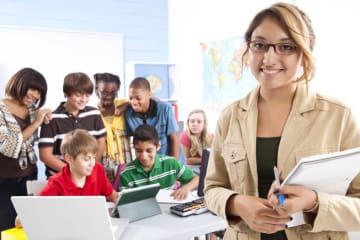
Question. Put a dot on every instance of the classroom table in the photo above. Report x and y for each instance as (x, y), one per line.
(170, 226)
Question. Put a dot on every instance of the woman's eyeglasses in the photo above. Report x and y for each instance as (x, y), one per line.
(279, 48)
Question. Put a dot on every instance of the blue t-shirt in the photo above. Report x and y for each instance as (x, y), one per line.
(160, 116)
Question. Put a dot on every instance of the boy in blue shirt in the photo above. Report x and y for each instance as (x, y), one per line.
(150, 167)
(145, 110)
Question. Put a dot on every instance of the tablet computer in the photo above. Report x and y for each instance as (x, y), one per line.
(137, 203)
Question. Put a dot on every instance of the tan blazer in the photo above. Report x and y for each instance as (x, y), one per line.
(316, 125)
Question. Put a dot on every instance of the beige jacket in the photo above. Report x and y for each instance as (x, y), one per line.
(315, 125)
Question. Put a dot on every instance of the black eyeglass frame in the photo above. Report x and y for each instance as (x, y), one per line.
(278, 47)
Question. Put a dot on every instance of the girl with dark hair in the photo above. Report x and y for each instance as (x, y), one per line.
(20, 118)
(117, 152)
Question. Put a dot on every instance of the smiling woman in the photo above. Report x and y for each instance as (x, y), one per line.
(20, 118)
(273, 125)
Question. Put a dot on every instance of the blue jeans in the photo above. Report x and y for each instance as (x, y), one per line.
(11, 187)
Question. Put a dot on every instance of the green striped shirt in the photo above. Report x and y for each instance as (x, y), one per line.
(166, 171)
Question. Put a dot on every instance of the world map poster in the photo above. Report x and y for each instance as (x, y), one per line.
(224, 80)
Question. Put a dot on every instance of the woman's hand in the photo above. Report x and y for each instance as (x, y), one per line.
(297, 198)
(257, 213)
(43, 116)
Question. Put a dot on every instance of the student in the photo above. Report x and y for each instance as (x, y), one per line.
(70, 115)
(145, 110)
(150, 167)
(117, 151)
(196, 137)
(278, 123)
(20, 118)
(83, 175)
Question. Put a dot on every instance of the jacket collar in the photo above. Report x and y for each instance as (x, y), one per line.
(304, 100)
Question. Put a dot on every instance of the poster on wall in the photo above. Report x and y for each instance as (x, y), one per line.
(224, 80)
(158, 74)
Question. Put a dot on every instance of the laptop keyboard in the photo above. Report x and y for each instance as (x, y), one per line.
(197, 206)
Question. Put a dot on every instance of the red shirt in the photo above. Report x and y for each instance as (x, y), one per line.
(61, 184)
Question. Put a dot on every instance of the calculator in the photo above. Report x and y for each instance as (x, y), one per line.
(197, 206)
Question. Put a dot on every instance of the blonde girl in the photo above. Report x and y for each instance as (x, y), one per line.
(196, 137)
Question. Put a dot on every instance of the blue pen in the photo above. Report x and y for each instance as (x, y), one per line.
(280, 196)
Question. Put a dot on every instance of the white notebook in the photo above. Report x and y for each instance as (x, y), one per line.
(331, 173)
(163, 196)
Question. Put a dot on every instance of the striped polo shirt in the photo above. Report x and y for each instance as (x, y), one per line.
(62, 122)
(166, 171)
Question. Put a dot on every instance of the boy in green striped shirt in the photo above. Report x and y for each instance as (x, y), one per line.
(150, 167)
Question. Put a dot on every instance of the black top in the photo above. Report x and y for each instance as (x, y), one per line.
(266, 159)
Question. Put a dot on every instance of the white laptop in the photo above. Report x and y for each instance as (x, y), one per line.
(67, 218)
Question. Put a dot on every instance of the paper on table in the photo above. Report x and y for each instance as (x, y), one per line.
(331, 173)
(163, 196)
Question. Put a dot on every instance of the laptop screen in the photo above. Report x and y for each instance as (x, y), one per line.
(203, 168)
(66, 217)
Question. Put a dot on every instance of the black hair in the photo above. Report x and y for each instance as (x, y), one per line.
(146, 133)
(140, 83)
(22, 81)
(107, 78)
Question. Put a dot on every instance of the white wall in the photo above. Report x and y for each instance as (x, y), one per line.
(336, 50)
(143, 23)
(56, 53)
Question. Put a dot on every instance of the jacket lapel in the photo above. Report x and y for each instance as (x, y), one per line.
(295, 126)
(248, 125)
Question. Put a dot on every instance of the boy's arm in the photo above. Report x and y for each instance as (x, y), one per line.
(174, 145)
(193, 184)
(50, 160)
(112, 197)
(121, 107)
(184, 190)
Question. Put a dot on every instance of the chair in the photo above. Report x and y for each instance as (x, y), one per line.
(33, 187)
